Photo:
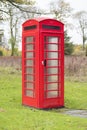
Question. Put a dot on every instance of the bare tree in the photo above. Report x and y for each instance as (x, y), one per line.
(81, 18)
(15, 15)
(13, 21)
(61, 10)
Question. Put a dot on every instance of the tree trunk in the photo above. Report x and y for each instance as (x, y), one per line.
(83, 38)
(11, 31)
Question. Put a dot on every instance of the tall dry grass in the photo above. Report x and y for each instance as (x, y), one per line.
(76, 68)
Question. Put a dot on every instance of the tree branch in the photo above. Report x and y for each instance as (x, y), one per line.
(1, 10)
(12, 2)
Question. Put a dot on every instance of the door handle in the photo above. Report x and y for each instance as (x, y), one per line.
(44, 62)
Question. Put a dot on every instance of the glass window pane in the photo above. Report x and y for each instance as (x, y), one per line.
(29, 62)
(29, 47)
(29, 85)
(29, 54)
(52, 47)
(29, 70)
(52, 55)
(52, 94)
(52, 39)
(29, 93)
(52, 86)
(52, 71)
(52, 62)
(29, 77)
(53, 78)
(29, 39)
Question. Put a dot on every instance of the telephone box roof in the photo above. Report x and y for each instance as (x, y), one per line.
(39, 19)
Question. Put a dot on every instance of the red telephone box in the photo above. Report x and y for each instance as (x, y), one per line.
(43, 63)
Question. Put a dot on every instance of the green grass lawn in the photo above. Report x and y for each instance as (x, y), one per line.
(14, 116)
(76, 95)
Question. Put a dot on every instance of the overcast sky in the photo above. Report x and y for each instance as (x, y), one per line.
(77, 5)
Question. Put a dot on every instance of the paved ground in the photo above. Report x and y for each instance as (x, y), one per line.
(78, 113)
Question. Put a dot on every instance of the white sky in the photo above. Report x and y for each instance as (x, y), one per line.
(77, 5)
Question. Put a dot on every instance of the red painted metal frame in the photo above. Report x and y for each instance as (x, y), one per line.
(39, 100)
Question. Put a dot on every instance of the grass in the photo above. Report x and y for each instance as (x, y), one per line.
(14, 116)
(76, 95)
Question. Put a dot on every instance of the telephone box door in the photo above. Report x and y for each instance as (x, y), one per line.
(52, 62)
